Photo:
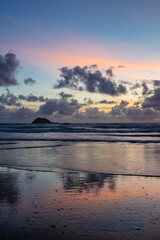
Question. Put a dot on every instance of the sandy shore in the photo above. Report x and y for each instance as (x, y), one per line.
(77, 205)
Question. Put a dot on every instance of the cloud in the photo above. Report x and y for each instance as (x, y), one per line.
(137, 104)
(16, 115)
(32, 98)
(156, 83)
(136, 113)
(133, 113)
(60, 106)
(119, 109)
(92, 115)
(8, 66)
(145, 90)
(62, 111)
(2, 109)
(109, 72)
(153, 101)
(9, 99)
(125, 82)
(135, 86)
(90, 79)
(23, 113)
(88, 101)
(92, 111)
(65, 95)
(107, 102)
(29, 81)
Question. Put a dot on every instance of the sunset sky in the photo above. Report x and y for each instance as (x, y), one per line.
(80, 60)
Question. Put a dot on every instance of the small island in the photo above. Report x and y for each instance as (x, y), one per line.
(41, 120)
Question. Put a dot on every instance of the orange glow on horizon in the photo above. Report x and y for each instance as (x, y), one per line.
(88, 55)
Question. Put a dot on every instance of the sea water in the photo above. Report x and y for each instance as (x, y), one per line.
(79, 181)
(128, 149)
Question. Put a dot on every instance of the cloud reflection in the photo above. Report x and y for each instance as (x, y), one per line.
(9, 192)
(88, 181)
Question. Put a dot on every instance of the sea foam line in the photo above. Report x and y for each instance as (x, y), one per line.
(81, 140)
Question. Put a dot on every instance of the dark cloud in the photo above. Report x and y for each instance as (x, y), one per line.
(88, 101)
(156, 83)
(120, 112)
(90, 79)
(136, 113)
(24, 113)
(107, 102)
(137, 103)
(65, 95)
(71, 111)
(16, 115)
(119, 109)
(2, 109)
(145, 90)
(8, 66)
(135, 86)
(29, 81)
(153, 101)
(9, 99)
(109, 72)
(60, 106)
(125, 82)
(32, 98)
(121, 89)
(92, 114)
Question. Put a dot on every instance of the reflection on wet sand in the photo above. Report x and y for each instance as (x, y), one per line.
(30, 176)
(76, 205)
(88, 181)
(8, 188)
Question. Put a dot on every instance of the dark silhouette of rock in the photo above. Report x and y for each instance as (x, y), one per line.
(41, 120)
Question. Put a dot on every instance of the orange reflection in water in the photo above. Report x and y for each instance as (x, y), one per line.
(105, 204)
(79, 205)
(109, 187)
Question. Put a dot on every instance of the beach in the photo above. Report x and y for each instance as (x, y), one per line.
(80, 120)
(77, 205)
(88, 183)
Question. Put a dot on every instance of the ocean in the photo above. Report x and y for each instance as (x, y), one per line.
(125, 148)
(80, 181)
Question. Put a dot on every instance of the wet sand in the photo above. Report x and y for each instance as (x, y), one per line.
(78, 205)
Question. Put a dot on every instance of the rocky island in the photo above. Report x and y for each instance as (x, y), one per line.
(41, 120)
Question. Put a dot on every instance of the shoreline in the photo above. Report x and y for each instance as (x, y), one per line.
(61, 169)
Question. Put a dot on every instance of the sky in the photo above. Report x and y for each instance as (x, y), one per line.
(80, 60)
